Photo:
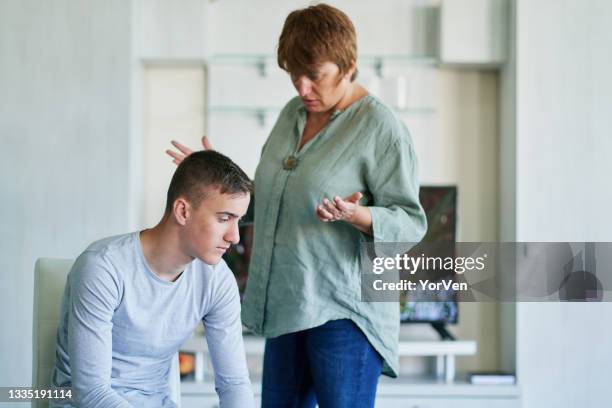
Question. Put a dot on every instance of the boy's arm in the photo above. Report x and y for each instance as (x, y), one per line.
(94, 295)
(223, 329)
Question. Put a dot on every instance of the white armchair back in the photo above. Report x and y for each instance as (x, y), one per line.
(49, 282)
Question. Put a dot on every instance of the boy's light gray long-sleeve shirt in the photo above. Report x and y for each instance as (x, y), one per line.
(121, 325)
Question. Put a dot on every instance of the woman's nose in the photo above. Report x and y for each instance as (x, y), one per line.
(303, 86)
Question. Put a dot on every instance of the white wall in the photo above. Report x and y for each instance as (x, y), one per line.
(173, 108)
(563, 146)
(64, 128)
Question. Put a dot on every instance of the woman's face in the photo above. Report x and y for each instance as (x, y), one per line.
(322, 89)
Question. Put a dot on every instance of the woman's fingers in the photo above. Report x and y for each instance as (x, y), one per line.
(177, 158)
(175, 155)
(183, 149)
(323, 214)
(320, 216)
(341, 204)
(206, 143)
(331, 208)
(354, 198)
(337, 209)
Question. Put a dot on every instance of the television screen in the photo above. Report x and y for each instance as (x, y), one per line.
(439, 204)
(417, 306)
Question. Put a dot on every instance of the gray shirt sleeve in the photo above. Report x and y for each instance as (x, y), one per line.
(94, 295)
(223, 329)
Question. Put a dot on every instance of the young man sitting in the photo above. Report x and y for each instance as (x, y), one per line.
(132, 300)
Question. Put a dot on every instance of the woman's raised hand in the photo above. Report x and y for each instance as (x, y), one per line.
(339, 208)
(184, 151)
(346, 209)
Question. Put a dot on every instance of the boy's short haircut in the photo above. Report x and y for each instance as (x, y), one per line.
(206, 169)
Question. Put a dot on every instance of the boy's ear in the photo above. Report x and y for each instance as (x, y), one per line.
(181, 210)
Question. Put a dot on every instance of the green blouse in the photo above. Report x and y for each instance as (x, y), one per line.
(305, 272)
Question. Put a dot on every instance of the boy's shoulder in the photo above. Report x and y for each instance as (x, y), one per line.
(110, 254)
(112, 244)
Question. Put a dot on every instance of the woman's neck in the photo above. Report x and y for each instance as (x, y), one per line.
(353, 93)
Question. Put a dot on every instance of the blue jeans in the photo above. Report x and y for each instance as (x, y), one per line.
(333, 365)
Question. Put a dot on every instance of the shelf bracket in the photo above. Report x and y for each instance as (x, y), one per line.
(260, 114)
(449, 368)
(262, 68)
(378, 67)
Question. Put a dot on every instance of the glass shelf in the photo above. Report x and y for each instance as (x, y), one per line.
(261, 112)
(377, 62)
(262, 61)
(414, 111)
(272, 109)
(239, 58)
(244, 109)
(407, 59)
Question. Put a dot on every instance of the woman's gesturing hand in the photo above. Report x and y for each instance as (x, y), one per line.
(184, 151)
(346, 209)
(339, 209)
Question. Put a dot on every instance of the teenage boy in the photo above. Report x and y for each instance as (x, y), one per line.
(132, 300)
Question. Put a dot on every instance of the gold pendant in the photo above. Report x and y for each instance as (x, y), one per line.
(290, 163)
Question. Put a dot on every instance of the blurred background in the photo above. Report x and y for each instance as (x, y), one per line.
(508, 100)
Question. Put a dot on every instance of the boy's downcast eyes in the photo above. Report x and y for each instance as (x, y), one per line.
(228, 218)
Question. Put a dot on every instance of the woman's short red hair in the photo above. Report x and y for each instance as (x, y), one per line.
(315, 35)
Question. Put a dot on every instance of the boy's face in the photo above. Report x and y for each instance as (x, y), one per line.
(211, 228)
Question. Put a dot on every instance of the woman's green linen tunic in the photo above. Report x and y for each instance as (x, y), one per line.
(305, 272)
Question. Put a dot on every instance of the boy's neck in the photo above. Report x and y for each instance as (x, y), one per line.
(162, 251)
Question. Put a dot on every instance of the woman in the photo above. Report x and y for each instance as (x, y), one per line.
(338, 169)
